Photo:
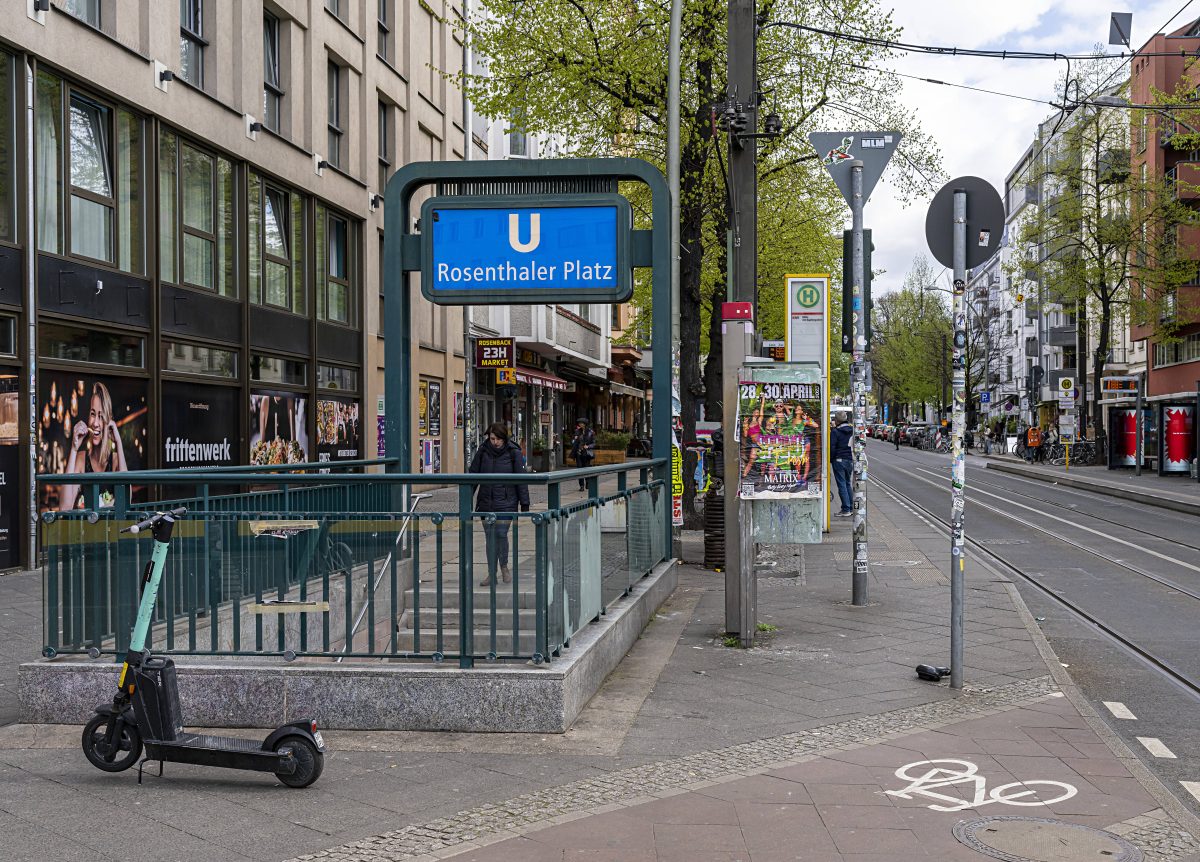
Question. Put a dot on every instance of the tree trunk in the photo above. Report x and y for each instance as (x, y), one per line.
(1102, 338)
(712, 366)
(692, 204)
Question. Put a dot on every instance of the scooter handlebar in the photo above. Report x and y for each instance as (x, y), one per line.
(154, 519)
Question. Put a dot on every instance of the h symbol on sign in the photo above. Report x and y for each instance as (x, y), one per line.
(514, 232)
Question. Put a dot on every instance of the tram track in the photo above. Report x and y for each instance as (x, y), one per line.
(975, 481)
(1088, 618)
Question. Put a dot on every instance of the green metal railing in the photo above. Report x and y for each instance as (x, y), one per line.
(349, 565)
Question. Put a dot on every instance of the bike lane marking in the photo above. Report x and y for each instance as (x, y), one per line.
(945, 773)
(1156, 747)
(1119, 710)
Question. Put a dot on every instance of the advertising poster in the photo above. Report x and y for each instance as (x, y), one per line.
(10, 475)
(88, 424)
(422, 407)
(426, 456)
(199, 426)
(339, 435)
(458, 409)
(278, 428)
(779, 440)
(435, 408)
(380, 430)
(1178, 446)
(1124, 436)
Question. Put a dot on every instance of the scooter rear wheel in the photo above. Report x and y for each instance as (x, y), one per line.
(309, 761)
(128, 746)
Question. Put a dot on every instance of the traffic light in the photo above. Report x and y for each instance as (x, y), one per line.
(848, 288)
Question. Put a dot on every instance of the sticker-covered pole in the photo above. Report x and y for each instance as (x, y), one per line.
(858, 389)
(958, 470)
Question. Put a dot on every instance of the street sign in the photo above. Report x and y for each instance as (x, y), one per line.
(836, 150)
(985, 221)
(807, 302)
(494, 353)
(502, 250)
(985, 398)
(775, 349)
(1119, 384)
(1066, 389)
(506, 377)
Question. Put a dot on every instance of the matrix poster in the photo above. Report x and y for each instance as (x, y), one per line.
(779, 440)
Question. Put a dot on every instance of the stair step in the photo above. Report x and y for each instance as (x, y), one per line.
(405, 641)
(482, 596)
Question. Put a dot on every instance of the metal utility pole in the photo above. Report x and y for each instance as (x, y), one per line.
(958, 480)
(743, 169)
(673, 163)
(469, 431)
(858, 390)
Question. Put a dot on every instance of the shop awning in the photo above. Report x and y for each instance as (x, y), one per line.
(622, 389)
(540, 378)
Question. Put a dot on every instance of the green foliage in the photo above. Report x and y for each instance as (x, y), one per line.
(612, 440)
(767, 628)
(908, 358)
(731, 641)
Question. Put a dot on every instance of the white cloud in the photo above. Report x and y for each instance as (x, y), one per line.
(979, 134)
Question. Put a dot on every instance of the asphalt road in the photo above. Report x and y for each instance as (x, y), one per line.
(1134, 567)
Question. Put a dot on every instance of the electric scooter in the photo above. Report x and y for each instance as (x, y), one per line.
(145, 711)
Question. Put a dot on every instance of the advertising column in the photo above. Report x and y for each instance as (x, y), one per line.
(1177, 446)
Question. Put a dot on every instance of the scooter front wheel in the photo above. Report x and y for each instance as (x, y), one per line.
(124, 751)
(309, 761)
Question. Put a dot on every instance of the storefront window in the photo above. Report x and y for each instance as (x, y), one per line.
(194, 359)
(56, 341)
(276, 369)
(276, 246)
(8, 336)
(92, 198)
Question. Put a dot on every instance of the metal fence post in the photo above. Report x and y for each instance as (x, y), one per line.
(466, 579)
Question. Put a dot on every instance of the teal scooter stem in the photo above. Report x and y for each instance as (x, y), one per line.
(162, 525)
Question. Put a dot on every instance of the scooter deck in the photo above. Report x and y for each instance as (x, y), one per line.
(224, 751)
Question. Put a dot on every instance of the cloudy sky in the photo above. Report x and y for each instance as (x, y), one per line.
(980, 134)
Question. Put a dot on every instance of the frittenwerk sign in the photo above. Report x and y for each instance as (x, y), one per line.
(564, 248)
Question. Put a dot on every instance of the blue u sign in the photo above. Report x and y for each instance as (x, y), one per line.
(571, 248)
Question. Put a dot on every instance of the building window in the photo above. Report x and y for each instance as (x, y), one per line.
(90, 345)
(197, 196)
(276, 219)
(337, 7)
(385, 144)
(275, 369)
(272, 81)
(382, 281)
(337, 377)
(336, 117)
(191, 41)
(194, 359)
(87, 11)
(383, 45)
(97, 213)
(8, 165)
(337, 281)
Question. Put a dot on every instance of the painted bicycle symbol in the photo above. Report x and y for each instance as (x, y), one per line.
(925, 777)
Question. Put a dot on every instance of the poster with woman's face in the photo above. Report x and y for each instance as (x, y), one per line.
(88, 424)
(278, 428)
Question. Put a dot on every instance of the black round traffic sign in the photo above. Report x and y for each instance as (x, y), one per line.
(985, 221)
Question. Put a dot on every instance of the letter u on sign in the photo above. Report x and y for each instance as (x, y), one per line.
(514, 232)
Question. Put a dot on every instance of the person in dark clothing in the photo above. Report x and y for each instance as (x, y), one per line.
(841, 456)
(583, 446)
(896, 437)
(499, 454)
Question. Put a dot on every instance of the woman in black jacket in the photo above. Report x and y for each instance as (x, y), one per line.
(499, 454)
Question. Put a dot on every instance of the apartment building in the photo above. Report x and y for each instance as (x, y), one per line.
(1173, 364)
(191, 233)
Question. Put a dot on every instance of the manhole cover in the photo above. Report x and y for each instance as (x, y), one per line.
(1035, 839)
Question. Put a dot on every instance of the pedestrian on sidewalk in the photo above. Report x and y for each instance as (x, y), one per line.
(896, 437)
(583, 446)
(499, 454)
(842, 457)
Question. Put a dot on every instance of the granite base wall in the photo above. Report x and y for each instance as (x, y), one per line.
(374, 696)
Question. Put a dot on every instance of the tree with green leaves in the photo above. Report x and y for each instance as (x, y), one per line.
(595, 73)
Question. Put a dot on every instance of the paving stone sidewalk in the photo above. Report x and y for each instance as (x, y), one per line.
(691, 750)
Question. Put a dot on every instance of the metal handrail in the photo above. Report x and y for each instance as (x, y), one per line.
(387, 561)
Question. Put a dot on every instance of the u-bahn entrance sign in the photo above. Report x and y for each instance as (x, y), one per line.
(566, 248)
(516, 232)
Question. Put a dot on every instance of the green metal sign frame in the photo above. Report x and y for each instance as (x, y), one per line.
(528, 295)
(534, 181)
